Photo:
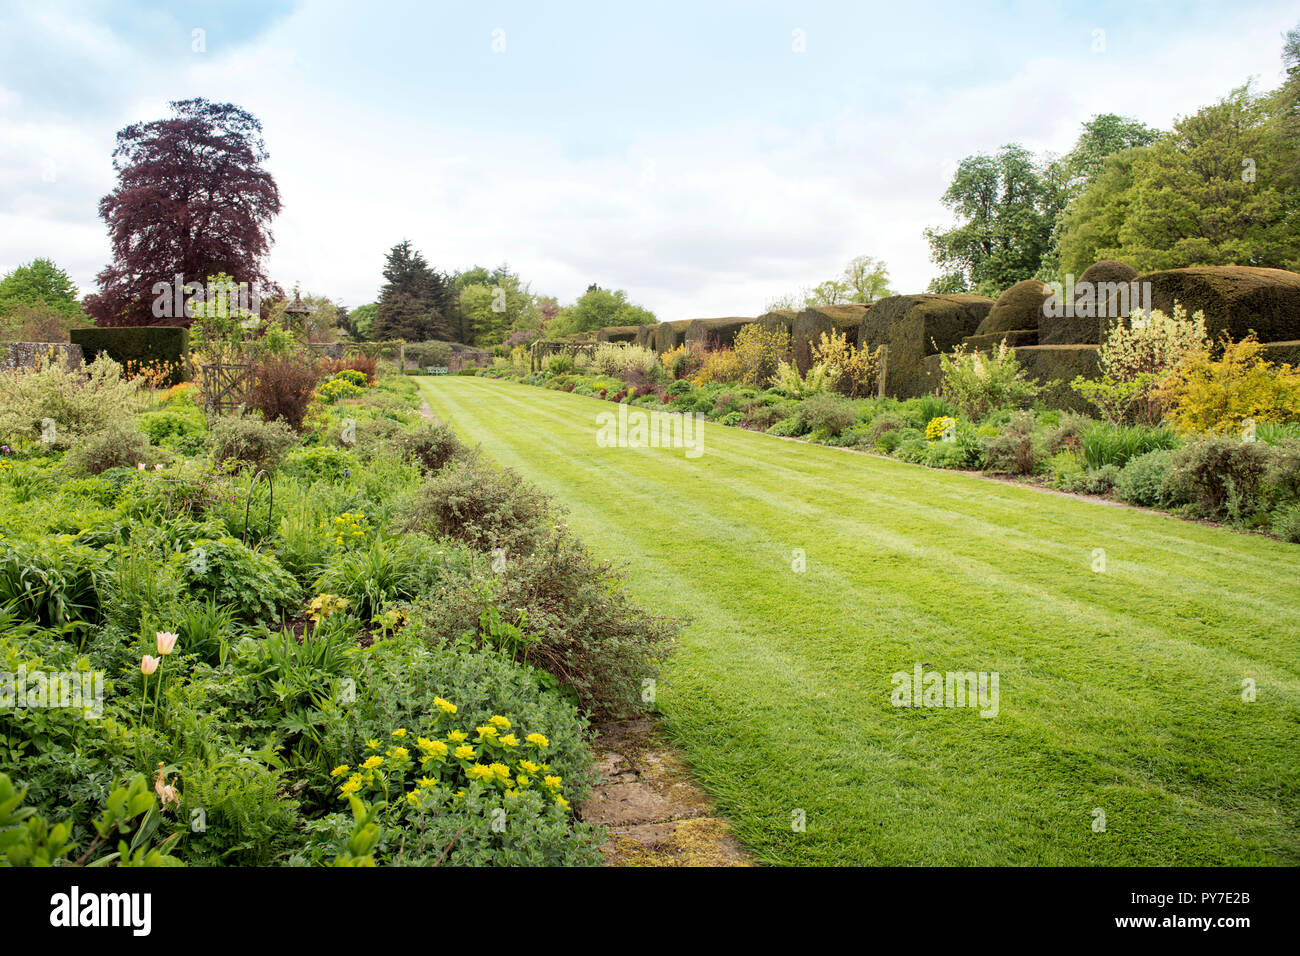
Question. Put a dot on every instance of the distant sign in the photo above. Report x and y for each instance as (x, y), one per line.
(437, 370)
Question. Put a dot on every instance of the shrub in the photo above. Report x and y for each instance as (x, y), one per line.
(115, 447)
(430, 445)
(334, 389)
(573, 619)
(1015, 449)
(790, 383)
(853, 370)
(827, 413)
(281, 388)
(723, 365)
(1226, 395)
(388, 570)
(1136, 356)
(251, 583)
(250, 441)
(1100, 481)
(365, 364)
(50, 403)
(473, 502)
(978, 384)
(52, 583)
(1286, 523)
(1220, 476)
(759, 349)
(319, 463)
(1145, 479)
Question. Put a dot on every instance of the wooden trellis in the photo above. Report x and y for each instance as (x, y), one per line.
(224, 386)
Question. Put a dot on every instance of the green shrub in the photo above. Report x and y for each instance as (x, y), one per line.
(116, 447)
(320, 463)
(177, 421)
(388, 570)
(574, 617)
(252, 583)
(1220, 476)
(250, 442)
(1144, 480)
(431, 445)
(472, 501)
(826, 412)
(977, 383)
(57, 407)
(1286, 523)
(52, 582)
(1016, 449)
(787, 427)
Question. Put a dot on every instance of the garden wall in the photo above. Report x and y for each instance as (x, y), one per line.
(26, 354)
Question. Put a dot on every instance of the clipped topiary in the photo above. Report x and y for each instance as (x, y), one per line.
(1017, 309)
(1235, 299)
(1097, 296)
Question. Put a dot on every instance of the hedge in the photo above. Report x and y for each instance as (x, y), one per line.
(914, 326)
(1235, 299)
(1018, 309)
(668, 335)
(810, 324)
(137, 346)
(618, 333)
(717, 333)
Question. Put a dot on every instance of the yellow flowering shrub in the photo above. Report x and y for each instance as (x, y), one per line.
(1208, 395)
(442, 768)
(938, 427)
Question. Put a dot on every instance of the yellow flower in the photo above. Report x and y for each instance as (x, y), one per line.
(352, 785)
(562, 802)
(457, 736)
(499, 721)
(426, 782)
(551, 782)
(486, 731)
(373, 761)
(528, 766)
(397, 753)
(399, 732)
(501, 770)
(464, 752)
(372, 744)
(479, 772)
(522, 780)
(537, 740)
(446, 706)
(340, 770)
(413, 798)
(434, 748)
(509, 741)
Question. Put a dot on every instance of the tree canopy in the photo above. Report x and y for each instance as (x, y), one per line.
(416, 302)
(597, 308)
(192, 199)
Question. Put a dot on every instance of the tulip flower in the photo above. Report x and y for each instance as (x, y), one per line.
(148, 665)
(140, 466)
(166, 641)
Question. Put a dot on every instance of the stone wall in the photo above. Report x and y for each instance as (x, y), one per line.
(26, 354)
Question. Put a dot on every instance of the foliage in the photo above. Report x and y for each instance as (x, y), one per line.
(979, 383)
(1241, 387)
(791, 384)
(1220, 476)
(117, 446)
(281, 388)
(853, 370)
(472, 501)
(826, 413)
(251, 583)
(1104, 444)
(431, 445)
(35, 287)
(416, 302)
(250, 442)
(209, 157)
(1016, 449)
(597, 309)
(760, 349)
(57, 406)
(720, 365)
(1136, 357)
(1145, 479)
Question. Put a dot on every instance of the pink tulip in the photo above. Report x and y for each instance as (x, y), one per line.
(166, 641)
(140, 466)
(148, 665)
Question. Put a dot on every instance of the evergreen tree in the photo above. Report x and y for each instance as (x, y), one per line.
(416, 302)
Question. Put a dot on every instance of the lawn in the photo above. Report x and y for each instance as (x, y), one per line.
(1121, 693)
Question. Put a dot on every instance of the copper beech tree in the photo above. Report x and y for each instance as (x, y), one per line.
(193, 200)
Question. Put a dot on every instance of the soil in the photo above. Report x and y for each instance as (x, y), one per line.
(654, 812)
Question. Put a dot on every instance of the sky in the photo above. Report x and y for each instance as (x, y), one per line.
(706, 157)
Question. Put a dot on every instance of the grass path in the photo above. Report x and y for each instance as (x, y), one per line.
(1120, 692)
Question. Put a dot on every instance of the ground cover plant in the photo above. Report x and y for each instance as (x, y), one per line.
(305, 653)
(1122, 637)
